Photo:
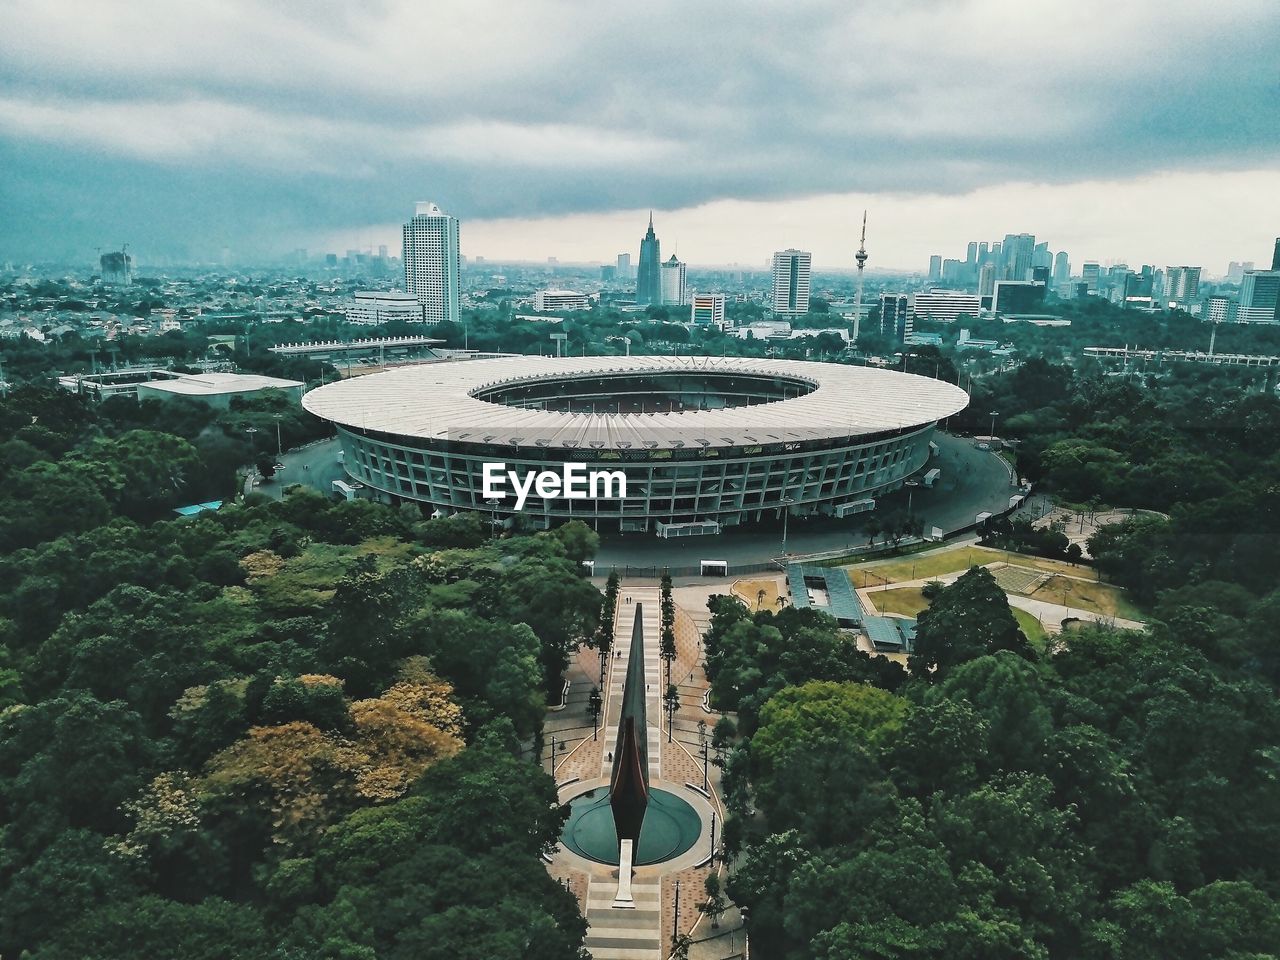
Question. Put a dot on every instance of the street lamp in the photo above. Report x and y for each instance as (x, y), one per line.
(593, 702)
(911, 492)
(702, 739)
(746, 934)
(786, 512)
(992, 434)
(279, 446)
(493, 518)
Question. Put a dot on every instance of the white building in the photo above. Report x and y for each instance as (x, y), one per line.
(708, 308)
(545, 300)
(1219, 310)
(672, 283)
(382, 306)
(790, 292)
(432, 264)
(946, 304)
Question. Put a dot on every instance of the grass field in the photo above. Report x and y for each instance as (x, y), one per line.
(1101, 598)
(953, 560)
(748, 591)
(1035, 633)
(907, 601)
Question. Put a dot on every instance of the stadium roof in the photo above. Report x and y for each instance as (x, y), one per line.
(434, 401)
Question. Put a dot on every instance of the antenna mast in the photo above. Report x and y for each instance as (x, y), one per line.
(861, 257)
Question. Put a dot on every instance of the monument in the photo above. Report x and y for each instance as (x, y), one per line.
(629, 781)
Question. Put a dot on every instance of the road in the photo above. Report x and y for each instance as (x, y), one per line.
(314, 466)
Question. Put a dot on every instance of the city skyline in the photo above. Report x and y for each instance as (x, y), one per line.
(184, 131)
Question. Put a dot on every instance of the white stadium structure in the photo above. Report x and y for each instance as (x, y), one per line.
(704, 442)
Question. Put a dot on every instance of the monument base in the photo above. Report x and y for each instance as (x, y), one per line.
(623, 900)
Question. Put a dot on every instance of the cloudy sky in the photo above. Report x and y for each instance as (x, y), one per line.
(1138, 130)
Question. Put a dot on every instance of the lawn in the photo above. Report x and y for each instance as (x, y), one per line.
(748, 591)
(907, 601)
(1101, 598)
(1035, 633)
(953, 560)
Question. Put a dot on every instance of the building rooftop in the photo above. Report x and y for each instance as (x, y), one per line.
(435, 401)
(210, 384)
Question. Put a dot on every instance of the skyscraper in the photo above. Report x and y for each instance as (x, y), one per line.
(935, 267)
(1018, 251)
(1061, 268)
(432, 264)
(895, 316)
(672, 285)
(1089, 274)
(790, 293)
(648, 277)
(1181, 285)
(1275, 257)
(624, 267)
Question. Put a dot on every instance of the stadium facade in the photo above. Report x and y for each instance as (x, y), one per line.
(705, 442)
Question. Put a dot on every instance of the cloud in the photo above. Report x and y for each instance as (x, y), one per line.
(335, 113)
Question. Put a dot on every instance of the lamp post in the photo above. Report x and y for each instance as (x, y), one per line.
(746, 934)
(279, 446)
(493, 518)
(253, 445)
(593, 702)
(993, 425)
(702, 739)
(786, 512)
(675, 923)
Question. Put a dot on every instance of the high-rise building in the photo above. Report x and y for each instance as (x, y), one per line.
(708, 308)
(1017, 253)
(1181, 285)
(432, 264)
(935, 268)
(383, 306)
(1259, 297)
(648, 278)
(116, 268)
(971, 254)
(1275, 257)
(790, 292)
(896, 316)
(608, 273)
(1061, 268)
(624, 267)
(1089, 274)
(1236, 271)
(987, 280)
(671, 285)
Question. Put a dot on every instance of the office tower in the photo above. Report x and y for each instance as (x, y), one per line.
(951, 271)
(432, 265)
(971, 254)
(1017, 253)
(1236, 271)
(708, 308)
(1138, 289)
(1089, 274)
(935, 268)
(1181, 285)
(608, 273)
(987, 280)
(1259, 297)
(896, 317)
(1275, 256)
(1017, 296)
(790, 292)
(1061, 268)
(624, 267)
(946, 304)
(1041, 257)
(671, 286)
(648, 280)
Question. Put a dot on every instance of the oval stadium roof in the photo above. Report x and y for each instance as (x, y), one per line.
(433, 401)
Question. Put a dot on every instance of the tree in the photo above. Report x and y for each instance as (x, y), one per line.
(968, 619)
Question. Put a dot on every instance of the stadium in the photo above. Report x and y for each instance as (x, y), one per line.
(704, 443)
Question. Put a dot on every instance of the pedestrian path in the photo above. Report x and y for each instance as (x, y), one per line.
(630, 934)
